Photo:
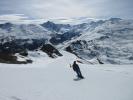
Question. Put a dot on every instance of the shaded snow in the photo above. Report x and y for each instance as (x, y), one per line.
(52, 79)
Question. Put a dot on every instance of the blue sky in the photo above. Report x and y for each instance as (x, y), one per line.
(46, 9)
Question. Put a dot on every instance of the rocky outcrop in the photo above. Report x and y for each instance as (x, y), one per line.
(10, 58)
(51, 50)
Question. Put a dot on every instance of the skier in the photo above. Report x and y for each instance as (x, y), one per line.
(77, 70)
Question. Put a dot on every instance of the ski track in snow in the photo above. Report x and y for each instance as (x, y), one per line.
(52, 79)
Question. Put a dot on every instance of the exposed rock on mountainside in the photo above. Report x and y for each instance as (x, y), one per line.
(110, 41)
(51, 51)
(107, 41)
(12, 59)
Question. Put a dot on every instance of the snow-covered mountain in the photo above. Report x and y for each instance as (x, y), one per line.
(9, 31)
(109, 41)
(105, 41)
(63, 32)
(45, 78)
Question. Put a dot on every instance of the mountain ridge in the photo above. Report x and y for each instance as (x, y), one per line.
(109, 41)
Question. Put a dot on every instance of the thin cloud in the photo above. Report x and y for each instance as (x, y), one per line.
(47, 9)
(19, 18)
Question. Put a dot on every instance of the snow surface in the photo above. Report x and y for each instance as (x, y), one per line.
(113, 40)
(24, 31)
(52, 79)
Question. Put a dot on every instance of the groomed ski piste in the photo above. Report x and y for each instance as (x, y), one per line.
(53, 79)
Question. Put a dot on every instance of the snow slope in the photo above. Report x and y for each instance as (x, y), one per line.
(10, 31)
(111, 41)
(52, 79)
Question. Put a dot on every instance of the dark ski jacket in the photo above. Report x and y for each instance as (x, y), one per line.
(75, 67)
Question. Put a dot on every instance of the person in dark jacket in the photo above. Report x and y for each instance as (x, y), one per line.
(77, 70)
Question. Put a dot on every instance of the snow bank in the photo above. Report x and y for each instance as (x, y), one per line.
(52, 79)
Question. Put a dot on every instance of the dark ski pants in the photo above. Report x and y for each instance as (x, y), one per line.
(79, 74)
